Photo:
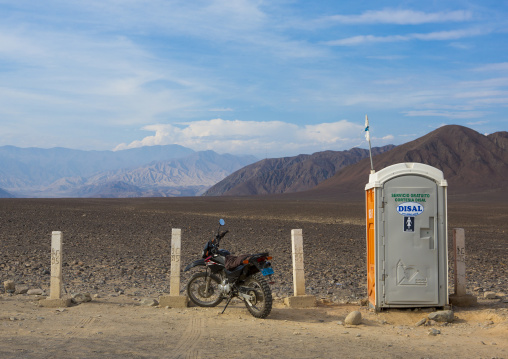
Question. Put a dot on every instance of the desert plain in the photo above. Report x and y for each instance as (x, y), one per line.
(118, 250)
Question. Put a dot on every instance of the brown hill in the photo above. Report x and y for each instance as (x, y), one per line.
(471, 163)
(288, 174)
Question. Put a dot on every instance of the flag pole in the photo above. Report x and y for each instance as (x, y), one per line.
(367, 137)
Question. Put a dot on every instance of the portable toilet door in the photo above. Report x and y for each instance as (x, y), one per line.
(407, 239)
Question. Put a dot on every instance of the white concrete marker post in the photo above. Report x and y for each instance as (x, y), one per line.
(176, 249)
(299, 300)
(55, 299)
(55, 290)
(460, 298)
(298, 272)
(174, 299)
(459, 243)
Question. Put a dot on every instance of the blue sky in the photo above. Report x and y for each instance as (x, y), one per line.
(269, 78)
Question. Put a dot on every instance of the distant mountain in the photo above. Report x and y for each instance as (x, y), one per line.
(190, 175)
(5, 194)
(159, 171)
(289, 174)
(34, 167)
(471, 163)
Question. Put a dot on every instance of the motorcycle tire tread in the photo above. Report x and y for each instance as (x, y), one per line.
(267, 293)
(195, 300)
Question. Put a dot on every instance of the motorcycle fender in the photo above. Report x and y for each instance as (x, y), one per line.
(199, 262)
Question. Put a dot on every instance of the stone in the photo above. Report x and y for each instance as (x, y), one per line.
(149, 302)
(442, 316)
(171, 301)
(9, 286)
(434, 332)
(421, 322)
(300, 301)
(490, 295)
(353, 318)
(81, 297)
(35, 291)
(21, 289)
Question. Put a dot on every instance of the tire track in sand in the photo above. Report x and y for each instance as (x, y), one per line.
(189, 345)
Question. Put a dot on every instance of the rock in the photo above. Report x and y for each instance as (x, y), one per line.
(421, 322)
(442, 316)
(434, 332)
(81, 297)
(149, 302)
(21, 289)
(353, 318)
(35, 291)
(9, 286)
(490, 295)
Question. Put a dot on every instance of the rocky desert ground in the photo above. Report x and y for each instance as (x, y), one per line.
(118, 250)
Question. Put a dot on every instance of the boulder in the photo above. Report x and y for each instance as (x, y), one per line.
(353, 318)
(81, 297)
(443, 316)
(149, 302)
(421, 322)
(21, 289)
(35, 291)
(490, 295)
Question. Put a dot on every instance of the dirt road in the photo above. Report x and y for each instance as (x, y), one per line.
(119, 327)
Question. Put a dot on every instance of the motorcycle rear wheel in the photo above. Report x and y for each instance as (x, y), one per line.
(261, 296)
(197, 292)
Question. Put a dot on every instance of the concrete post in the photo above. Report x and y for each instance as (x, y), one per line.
(55, 291)
(459, 244)
(460, 298)
(176, 245)
(298, 271)
(55, 299)
(299, 300)
(174, 299)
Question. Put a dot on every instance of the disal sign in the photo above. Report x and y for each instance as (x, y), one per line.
(410, 209)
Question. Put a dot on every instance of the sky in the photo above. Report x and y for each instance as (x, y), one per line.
(266, 78)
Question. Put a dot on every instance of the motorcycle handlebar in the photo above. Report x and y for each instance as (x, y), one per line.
(221, 235)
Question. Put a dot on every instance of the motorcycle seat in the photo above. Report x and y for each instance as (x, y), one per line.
(234, 261)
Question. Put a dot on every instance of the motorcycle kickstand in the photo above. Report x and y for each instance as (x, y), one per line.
(227, 303)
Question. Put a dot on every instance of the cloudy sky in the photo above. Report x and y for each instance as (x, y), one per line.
(269, 78)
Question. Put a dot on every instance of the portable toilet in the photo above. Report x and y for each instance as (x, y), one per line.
(407, 239)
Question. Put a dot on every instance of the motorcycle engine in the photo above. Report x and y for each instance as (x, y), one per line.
(225, 287)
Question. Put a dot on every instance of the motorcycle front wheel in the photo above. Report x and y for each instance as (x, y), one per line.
(203, 290)
(260, 296)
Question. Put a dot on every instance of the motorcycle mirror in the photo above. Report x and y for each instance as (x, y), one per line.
(221, 222)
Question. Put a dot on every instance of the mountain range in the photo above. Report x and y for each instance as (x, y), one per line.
(474, 165)
(289, 174)
(147, 171)
(471, 163)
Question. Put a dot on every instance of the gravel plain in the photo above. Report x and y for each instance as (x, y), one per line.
(122, 246)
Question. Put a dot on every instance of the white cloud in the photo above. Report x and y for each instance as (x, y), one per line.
(432, 36)
(502, 66)
(446, 114)
(274, 138)
(477, 123)
(401, 17)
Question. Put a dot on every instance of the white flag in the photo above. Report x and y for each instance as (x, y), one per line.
(367, 133)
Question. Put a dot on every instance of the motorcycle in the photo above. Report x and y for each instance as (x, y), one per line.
(227, 277)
